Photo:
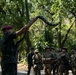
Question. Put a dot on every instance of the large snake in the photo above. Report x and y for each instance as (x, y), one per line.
(50, 23)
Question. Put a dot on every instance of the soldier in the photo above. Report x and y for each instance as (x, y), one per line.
(47, 56)
(54, 58)
(9, 54)
(73, 60)
(58, 59)
(73, 54)
(30, 60)
(64, 62)
(37, 63)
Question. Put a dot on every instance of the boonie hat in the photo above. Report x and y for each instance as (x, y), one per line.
(36, 51)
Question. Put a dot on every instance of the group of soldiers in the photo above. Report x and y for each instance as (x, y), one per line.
(52, 62)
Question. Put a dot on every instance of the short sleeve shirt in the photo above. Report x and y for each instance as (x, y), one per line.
(9, 52)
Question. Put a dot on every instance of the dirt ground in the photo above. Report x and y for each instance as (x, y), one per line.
(22, 66)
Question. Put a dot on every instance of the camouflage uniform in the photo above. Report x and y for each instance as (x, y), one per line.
(9, 54)
(47, 56)
(73, 61)
(64, 62)
(37, 63)
(53, 52)
(58, 60)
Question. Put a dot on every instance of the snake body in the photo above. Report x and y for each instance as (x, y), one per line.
(50, 23)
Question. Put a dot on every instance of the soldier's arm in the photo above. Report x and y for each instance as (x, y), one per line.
(25, 28)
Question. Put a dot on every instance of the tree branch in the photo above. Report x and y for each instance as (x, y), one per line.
(65, 38)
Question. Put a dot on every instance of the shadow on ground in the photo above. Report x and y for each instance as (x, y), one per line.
(21, 73)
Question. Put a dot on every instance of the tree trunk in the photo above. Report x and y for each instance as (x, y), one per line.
(65, 38)
(59, 36)
(28, 43)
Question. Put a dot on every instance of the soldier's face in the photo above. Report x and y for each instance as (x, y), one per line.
(36, 52)
(48, 50)
(8, 31)
(32, 51)
(63, 50)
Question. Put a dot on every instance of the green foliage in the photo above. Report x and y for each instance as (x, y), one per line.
(13, 12)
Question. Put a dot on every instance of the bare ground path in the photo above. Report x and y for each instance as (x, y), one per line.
(22, 70)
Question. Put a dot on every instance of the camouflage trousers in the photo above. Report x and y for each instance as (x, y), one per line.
(47, 69)
(9, 69)
(37, 70)
(62, 69)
